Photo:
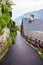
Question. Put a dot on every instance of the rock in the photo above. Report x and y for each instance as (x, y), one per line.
(3, 38)
(36, 36)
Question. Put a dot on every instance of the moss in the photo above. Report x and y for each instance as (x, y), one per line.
(41, 55)
(37, 49)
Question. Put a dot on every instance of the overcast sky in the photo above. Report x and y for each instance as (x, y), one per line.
(24, 6)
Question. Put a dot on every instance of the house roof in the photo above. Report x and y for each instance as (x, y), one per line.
(36, 25)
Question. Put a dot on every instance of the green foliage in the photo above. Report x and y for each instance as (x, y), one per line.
(41, 55)
(9, 3)
(17, 28)
(2, 23)
(37, 49)
(13, 41)
(13, 30)
(5, 19)
(0, 0)
(5, 8)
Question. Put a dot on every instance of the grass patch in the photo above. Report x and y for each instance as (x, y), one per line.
(41, 55)
(37, 49)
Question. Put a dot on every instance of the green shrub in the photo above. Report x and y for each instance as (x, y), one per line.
(0, 0)
(37, 49)
(41, 55)
(13, 41)
(5, 21)
(5, 9)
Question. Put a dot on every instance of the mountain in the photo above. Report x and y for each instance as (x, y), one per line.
(38, 14)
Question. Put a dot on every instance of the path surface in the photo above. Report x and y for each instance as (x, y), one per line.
(21, 54)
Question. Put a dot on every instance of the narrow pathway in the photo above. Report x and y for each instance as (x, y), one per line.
(21, 54)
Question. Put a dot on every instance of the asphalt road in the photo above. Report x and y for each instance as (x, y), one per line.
(21, 54)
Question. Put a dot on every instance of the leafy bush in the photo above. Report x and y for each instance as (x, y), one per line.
(5, 19)
(41, 55)
(5, 9)
(13, 30)
(0, 0)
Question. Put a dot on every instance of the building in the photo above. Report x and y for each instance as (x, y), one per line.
(32, 28)
(31, 25)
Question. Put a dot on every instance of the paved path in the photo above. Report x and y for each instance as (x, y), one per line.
(21, 54)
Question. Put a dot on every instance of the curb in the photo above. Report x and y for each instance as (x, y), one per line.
(26, 42)
(4, 54)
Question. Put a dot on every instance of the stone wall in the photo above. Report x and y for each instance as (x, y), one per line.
(3, 38)
(36, 37)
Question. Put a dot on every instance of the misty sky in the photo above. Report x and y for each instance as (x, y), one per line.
(24, 6)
